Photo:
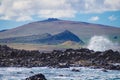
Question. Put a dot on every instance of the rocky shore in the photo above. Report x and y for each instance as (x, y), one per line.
(59, 59)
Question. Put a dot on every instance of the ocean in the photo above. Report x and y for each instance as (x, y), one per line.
(20, 73)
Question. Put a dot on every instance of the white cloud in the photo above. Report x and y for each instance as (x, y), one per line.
(94, 18)
(24, 18)
(57, 13)
(112, 5)
(21, 10)
(112, 18)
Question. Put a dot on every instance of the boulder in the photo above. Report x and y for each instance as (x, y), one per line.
(104, 70)
(75, 70)
(37, 77)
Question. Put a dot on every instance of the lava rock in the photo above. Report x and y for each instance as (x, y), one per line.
(10, 57)
(104, 70)
(75, 70)
(37, 77)
(113, 67)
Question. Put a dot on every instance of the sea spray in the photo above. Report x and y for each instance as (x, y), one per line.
(102, 43)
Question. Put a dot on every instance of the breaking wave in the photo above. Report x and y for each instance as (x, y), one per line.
(102, 43)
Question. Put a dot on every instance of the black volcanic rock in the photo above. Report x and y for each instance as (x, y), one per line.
(10, 57)
(37, 77)
(75, 70)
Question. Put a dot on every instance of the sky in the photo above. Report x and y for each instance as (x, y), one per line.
(14, 13)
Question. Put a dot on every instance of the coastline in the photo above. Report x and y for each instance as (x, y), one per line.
(59, 59)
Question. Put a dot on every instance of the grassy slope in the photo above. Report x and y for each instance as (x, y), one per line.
(40, 47)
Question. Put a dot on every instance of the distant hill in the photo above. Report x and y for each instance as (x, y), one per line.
(25, 39)
(45, 38)
(60, 38)
(3, 30)
(54, 26)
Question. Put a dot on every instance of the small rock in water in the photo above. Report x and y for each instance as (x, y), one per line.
(37, 77)
(19, 73)
(61, 75)
(104, 70)
(31, 72)
(75, 70)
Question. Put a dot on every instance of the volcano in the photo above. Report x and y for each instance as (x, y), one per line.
(54, 26)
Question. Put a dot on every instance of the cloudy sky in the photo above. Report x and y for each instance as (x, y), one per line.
(14, 13)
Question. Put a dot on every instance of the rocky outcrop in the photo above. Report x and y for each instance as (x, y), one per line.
(60, 59)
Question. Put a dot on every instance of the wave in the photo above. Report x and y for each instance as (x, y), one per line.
(102, 43)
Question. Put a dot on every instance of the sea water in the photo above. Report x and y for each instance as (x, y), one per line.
(14, 73)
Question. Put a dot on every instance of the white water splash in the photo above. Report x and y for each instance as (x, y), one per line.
(102, 43)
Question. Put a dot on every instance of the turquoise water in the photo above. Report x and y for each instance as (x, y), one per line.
(13, 73)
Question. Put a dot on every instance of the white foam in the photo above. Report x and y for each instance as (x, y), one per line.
(102, 43)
